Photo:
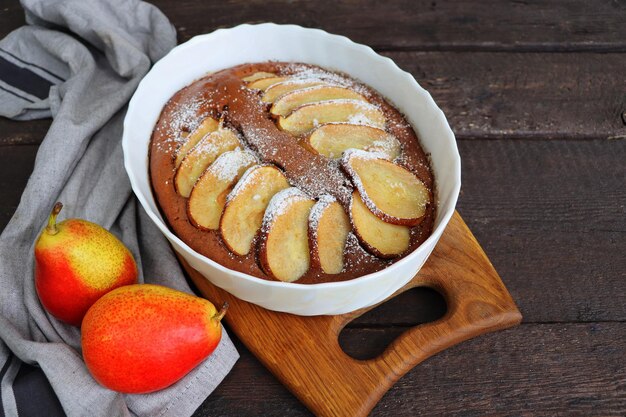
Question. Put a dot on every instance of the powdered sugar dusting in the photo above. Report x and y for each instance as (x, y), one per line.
(358, 104)
(258, 136)
(227, 166)
(307, 72)
(361, 154)
(385, 146)
(318, 210)
(355, 254)
(313, 174)
(208, 144)
(279, 204)
(315, 87)
(298, 81)
(185, 117)
(244, 182)
(360, 119)
(346, 163)
(315, 184)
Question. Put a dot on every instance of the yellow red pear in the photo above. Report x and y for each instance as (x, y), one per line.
(143, 338)
(76, 263)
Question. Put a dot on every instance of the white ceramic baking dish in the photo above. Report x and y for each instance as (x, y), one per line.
(257, 43)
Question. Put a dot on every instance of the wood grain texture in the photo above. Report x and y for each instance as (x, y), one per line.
(566, 369)
(304, 352)
(16, 164)
(524, 95)
(552, 218)
(11, 16)
(31, 132)
(531, 95)
(425, 24)
(561, 25)
(534, 369)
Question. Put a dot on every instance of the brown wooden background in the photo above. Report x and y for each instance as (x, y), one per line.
(536, 94)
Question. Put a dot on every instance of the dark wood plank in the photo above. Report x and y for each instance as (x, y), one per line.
(550, 216)
(561, 25)
(534, 369)
(525, 95)
(549, 186)
(16, 164)
(570, 369)
(250, 390)
(425, 24)
(496, 95)
(11, 16)
(29, 132)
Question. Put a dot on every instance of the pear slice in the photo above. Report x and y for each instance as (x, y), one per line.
(309, 116)
(246, 204)
(264, 83)
(201, 156)
(207, 126)
(289, 101)
(329, 226)
(208, 197)
(258, 76)
(380, 238)
(284, 247)
(391, 192)
(278, 90)
(331, 140)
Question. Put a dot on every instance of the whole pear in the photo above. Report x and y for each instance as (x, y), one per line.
(76, 263)
(142, 338)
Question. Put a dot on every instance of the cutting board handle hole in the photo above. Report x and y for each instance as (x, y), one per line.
(368, 336)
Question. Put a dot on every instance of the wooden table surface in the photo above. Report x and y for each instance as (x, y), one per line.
(536, 94)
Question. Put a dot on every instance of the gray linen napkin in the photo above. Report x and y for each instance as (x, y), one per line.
(79, 61)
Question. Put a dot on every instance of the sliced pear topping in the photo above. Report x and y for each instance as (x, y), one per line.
(275, 91)
(264, 83)
(309, 116)
(380, 238)
(284, 250)
(258, 76)
(208, 197)
(288, 102)
(207, 126)
(329, 226)
(246, 204)
(201, 156)
(331, 140)
(390, 191)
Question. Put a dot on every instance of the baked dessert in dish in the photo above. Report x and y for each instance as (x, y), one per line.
(290, 172)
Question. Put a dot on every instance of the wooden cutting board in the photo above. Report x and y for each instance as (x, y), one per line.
(304, 352)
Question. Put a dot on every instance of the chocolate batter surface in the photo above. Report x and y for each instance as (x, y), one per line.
(224, 95)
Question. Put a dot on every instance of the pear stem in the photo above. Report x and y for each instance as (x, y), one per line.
(52, 220)
(220, 314)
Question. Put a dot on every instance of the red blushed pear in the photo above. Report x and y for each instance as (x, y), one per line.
(143, 338)
(76, 263)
